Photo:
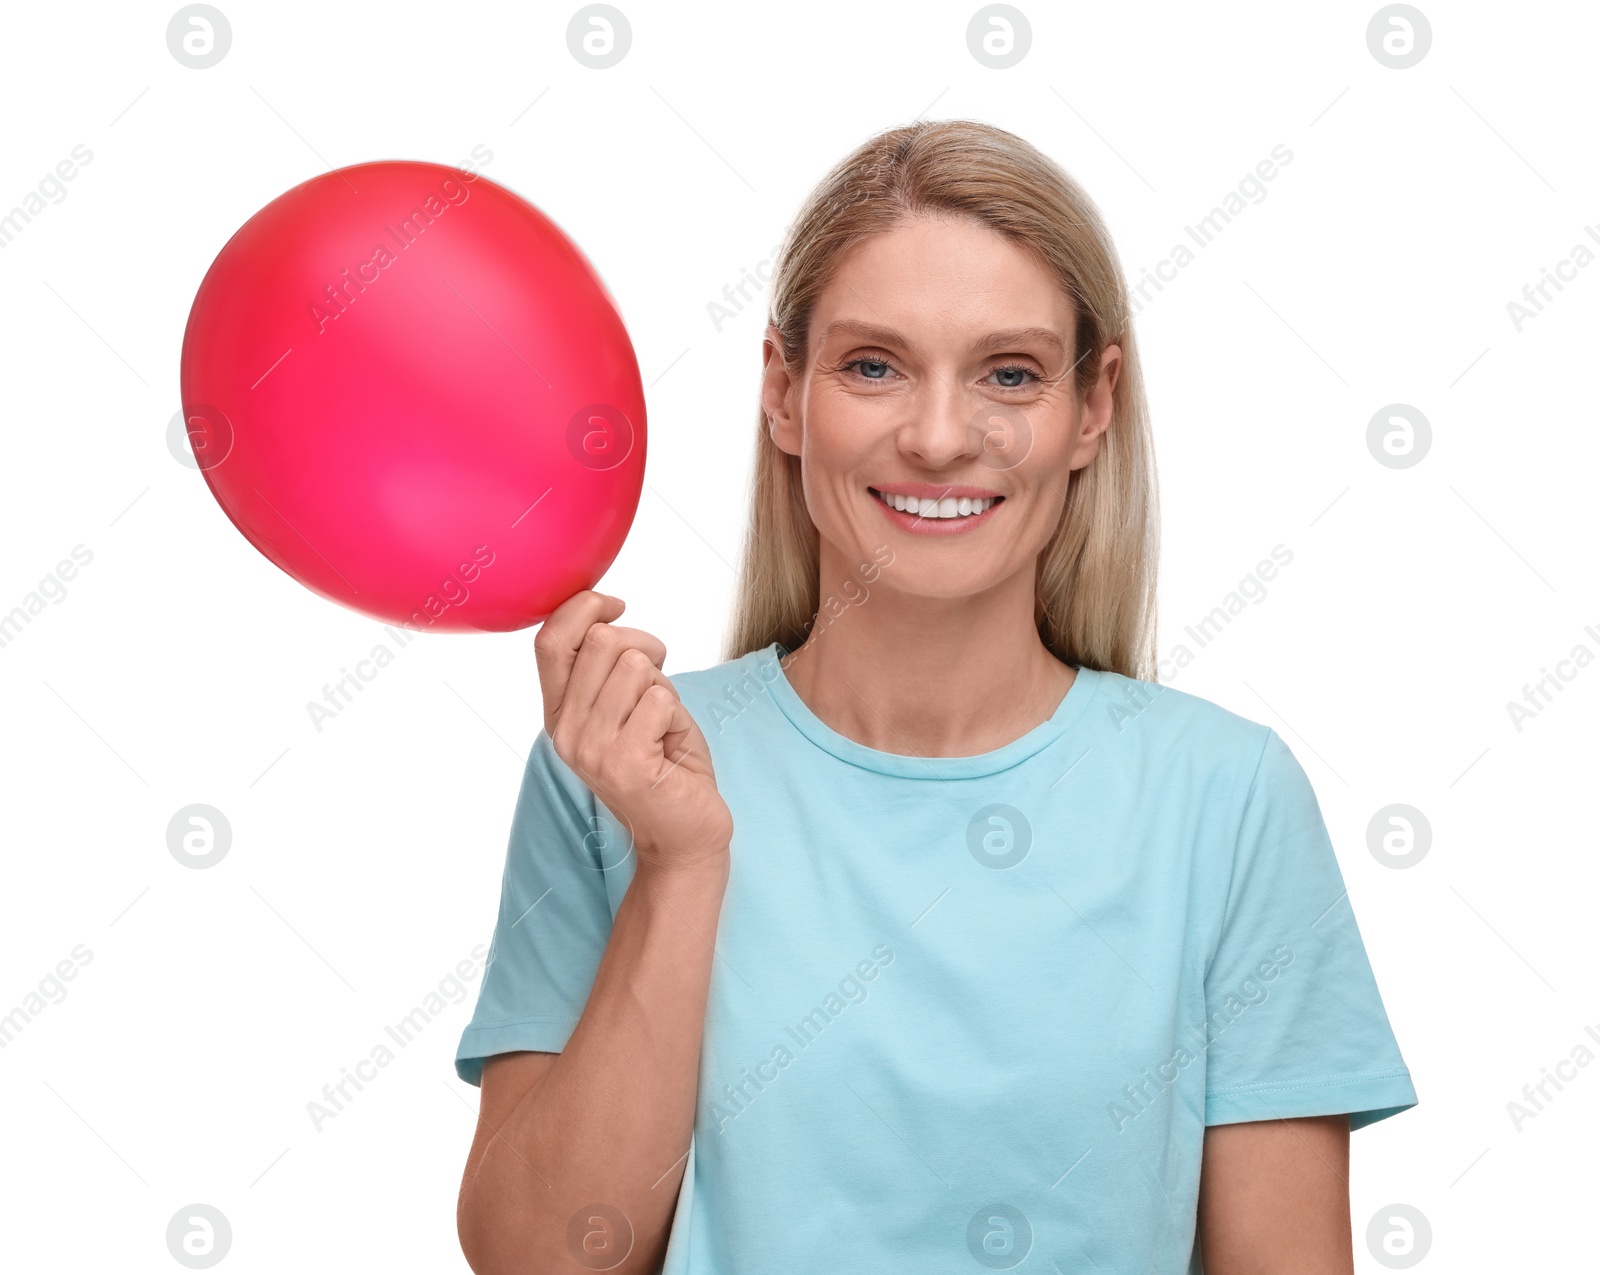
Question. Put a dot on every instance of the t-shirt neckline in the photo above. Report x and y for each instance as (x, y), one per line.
(1072, 706)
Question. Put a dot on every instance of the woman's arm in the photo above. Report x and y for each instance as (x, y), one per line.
(606, 1121)
(1275, 1197)
(578, 1156)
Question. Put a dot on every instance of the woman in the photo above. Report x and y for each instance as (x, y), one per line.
(927, 932)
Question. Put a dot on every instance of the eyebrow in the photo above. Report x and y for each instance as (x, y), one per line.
(1010, 338)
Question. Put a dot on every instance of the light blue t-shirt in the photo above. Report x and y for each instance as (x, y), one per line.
(970, 1010)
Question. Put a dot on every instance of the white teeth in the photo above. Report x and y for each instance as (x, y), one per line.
(947, 507)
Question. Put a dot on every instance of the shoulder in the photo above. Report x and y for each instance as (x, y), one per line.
(1177, 726)
(1192, 749)
(714, 678)
(729, 687)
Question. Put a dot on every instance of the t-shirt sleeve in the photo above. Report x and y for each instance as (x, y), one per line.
(1295, 1024)
(554, 919)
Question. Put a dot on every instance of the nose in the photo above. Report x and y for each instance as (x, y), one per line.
(938, 431)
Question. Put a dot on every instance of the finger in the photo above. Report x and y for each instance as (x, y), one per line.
(556, 646)
(684, 736)
(632, 675)
(651, 721)
(652, 647)
(603, 644)
(681, 734)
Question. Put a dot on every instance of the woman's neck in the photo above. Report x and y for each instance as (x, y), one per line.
(929, 677)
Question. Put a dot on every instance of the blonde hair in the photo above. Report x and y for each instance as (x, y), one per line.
(1096, 577)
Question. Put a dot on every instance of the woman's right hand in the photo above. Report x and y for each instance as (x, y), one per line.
(615, 718)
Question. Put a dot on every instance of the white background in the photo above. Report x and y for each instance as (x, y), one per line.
(366, 858)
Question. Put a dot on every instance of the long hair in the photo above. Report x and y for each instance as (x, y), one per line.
(1096, 578)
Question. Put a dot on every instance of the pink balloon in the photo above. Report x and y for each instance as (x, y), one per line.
(410, 390)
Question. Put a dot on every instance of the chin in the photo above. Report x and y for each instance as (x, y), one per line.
(935, 580)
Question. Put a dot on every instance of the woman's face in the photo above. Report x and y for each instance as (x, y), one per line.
(940, 367)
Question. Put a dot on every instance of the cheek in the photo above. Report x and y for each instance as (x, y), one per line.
(1047, 471)
(1043, 494)
(837, 447)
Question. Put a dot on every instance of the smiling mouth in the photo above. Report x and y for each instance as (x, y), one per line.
(931, 507)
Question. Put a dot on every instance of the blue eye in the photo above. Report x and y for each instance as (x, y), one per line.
(1015, 367)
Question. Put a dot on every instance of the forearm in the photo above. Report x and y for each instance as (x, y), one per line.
(1275, 1197)
(609, 1122)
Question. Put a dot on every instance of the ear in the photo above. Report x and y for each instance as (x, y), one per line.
(1098, 404)
(776, 393)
